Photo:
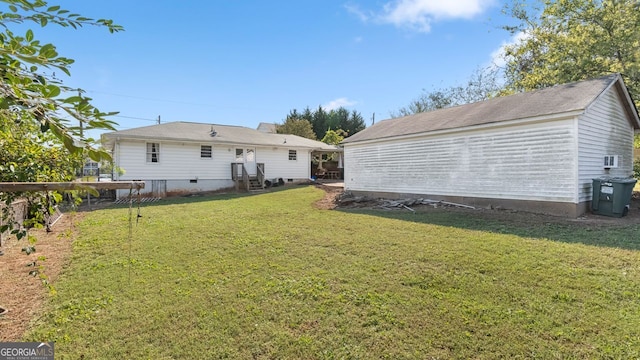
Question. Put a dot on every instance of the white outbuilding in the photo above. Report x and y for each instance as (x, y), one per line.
(536, 151)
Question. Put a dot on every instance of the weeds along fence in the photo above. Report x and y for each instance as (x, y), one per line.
(19, 213)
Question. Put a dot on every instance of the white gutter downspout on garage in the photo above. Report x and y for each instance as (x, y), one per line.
(116, 159)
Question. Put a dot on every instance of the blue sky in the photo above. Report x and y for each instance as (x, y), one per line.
(246, 62)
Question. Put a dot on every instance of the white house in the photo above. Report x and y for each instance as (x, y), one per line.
(183, 157)
(535, 151)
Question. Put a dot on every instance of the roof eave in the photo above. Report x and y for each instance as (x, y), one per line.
(336, 149)
(116, 136)
(629, 106)
(112, 137)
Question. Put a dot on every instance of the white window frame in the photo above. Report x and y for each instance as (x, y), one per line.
(203, 151)
(91, 168)
(293, 155)
(611, 161)
(150, 151)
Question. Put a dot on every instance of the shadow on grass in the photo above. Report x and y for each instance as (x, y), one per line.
(604, 234)
(524, 225)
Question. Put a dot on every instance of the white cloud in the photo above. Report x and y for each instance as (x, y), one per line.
(498, 56)
(337, 103)
(359, 13)
(419, 14)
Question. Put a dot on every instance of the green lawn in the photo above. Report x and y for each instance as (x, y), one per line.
(271, 277)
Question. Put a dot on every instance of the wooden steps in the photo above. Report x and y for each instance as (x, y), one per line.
(254, 184)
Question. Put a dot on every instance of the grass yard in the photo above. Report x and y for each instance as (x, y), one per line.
(272, 277)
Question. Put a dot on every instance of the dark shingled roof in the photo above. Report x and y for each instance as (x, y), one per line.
(224, 134)
(550, 101)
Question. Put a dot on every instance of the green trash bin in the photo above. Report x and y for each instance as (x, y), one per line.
(611, 196)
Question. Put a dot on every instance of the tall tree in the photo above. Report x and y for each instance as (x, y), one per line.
(296, 126)
(570, 40)
(307, 114)
(341, 119)
(483, 84)
(428, 101)
(337, 119)
(320, 122)
(355, 123)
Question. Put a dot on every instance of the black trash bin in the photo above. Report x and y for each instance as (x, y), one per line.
(611, 196)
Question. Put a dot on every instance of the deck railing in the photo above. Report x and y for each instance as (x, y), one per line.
(239, 174)
(260, 167)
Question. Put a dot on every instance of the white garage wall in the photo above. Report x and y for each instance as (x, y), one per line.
(603, 130)
(524, 162)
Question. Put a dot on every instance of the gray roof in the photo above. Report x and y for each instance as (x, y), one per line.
(267, 127)
(554, 100)
(224, 134)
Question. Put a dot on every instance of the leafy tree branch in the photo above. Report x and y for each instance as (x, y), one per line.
(27, 90)
(38, 141)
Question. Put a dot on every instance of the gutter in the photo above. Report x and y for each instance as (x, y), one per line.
(213, 141)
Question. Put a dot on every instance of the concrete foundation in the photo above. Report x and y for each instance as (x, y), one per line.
(570, 210)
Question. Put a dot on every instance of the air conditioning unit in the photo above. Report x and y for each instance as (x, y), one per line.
(610, 161)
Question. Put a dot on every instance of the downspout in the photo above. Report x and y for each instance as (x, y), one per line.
(116, 160)
(576, 165)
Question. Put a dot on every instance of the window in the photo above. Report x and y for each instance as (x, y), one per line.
(610, 161)
(153, 152)
(293, 155)
(206, 151)
(91, 168)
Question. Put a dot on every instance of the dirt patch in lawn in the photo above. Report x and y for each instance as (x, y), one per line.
(330, 199)
(21, 294)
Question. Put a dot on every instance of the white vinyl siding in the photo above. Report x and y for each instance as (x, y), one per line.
(178, 161)
(278, 165)
(526, 162)
(603, 130)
